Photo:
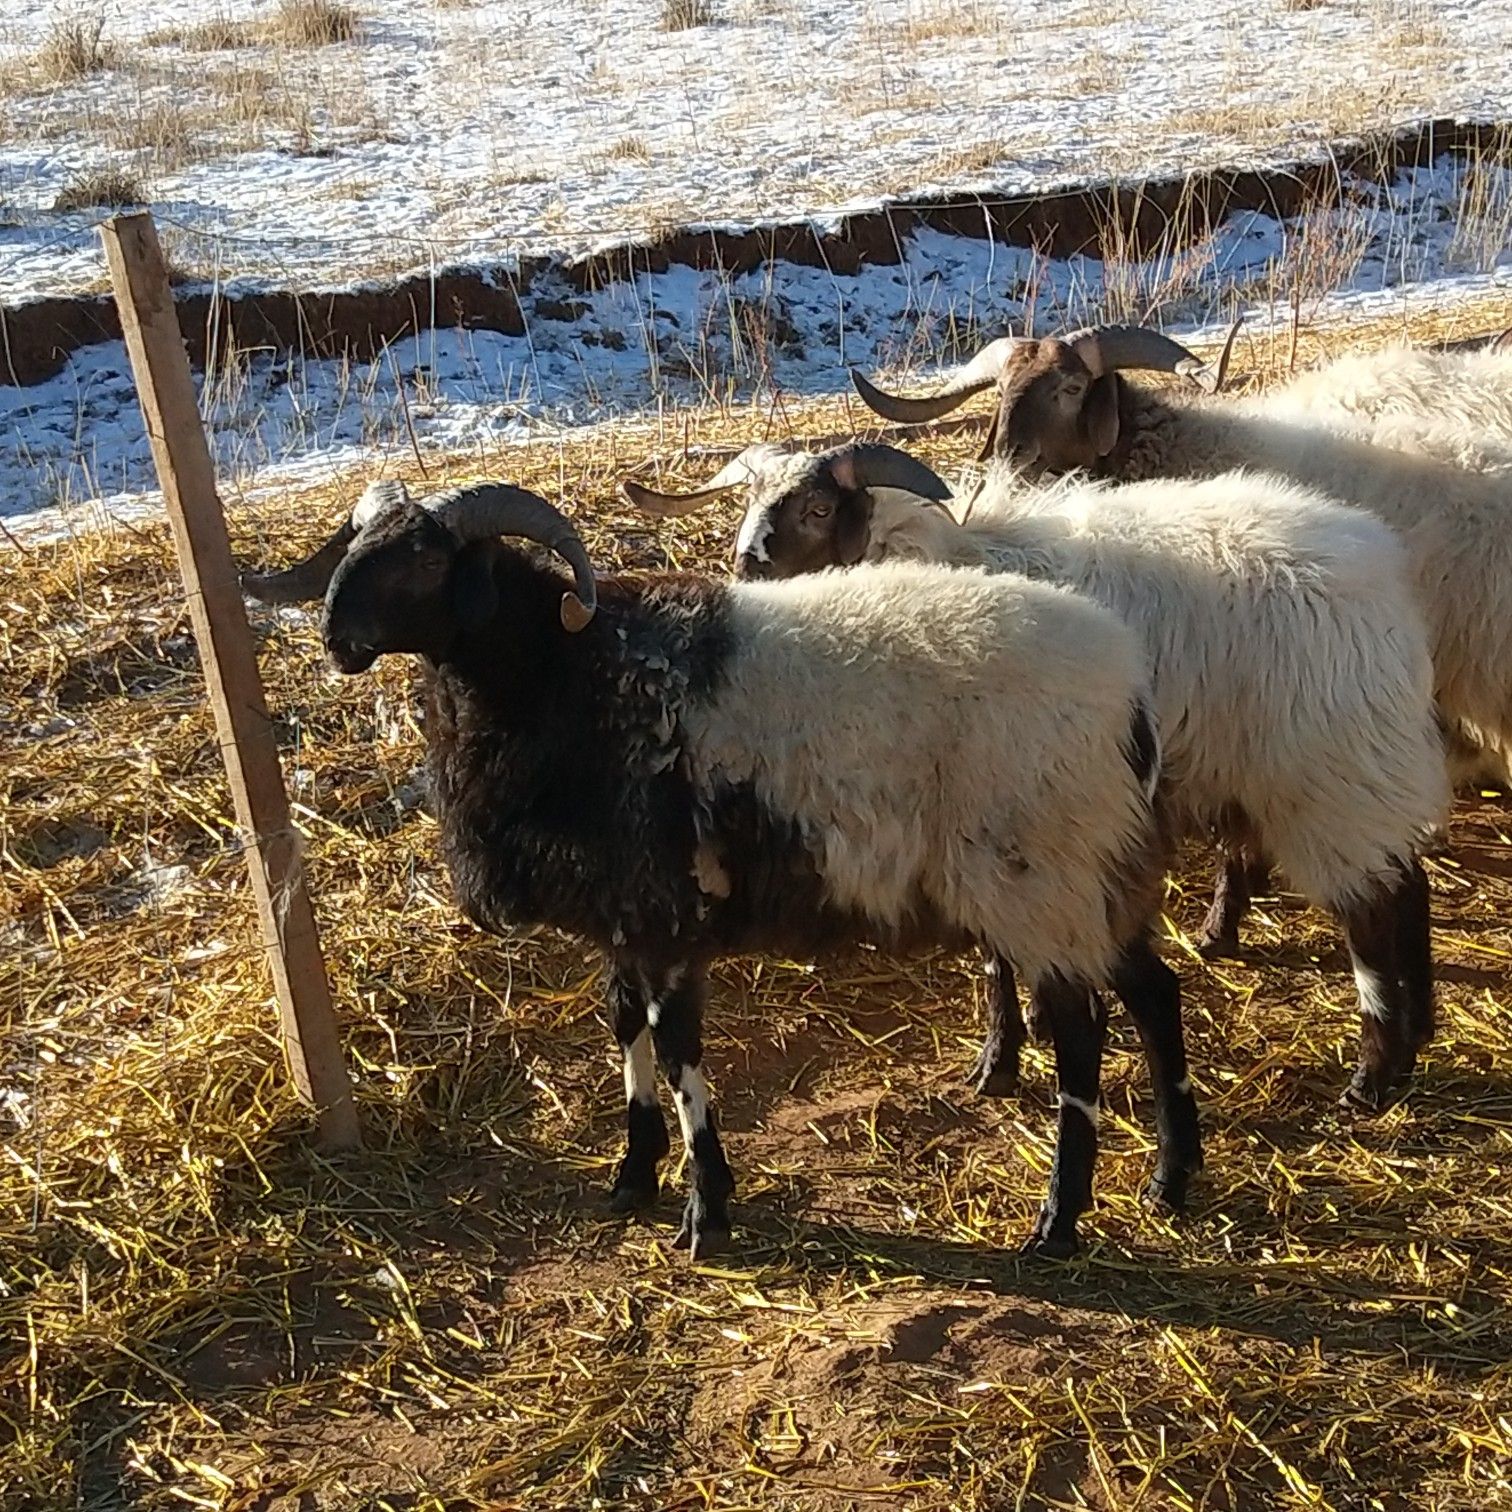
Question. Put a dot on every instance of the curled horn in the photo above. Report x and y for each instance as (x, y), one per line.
(860, 465)
(306, 580)
(309, 579)
(1502, 343)
(982, 372)
(485, 510)
(737, 472)
(1105, 349)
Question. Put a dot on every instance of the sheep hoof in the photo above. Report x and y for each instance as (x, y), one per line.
(1045, 1244)
(1048, 1247)
(701, 1240)
(633, 1197)
(1368, 1093)
(1218, 945)
(993, 1081)
(1168, 1193)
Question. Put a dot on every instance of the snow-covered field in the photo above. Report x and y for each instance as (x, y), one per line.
(459, 131)
(450, 132)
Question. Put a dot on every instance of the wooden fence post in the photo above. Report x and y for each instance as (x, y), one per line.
(179, 450)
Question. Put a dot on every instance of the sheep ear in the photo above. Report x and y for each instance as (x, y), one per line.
(473, 592)
(1100, 413)
(853, 527)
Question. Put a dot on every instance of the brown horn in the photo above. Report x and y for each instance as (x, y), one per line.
(484, 510)
(306, 580)
(310, 578)
(1105, 349)
(860, 465)
(1502, 343)
(982, 372)
(736, 473)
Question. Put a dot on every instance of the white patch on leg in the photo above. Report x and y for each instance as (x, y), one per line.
(1373, 1000)
(653, 1012)
(692, 1103)
(755, 532)
(990, 967)
(1184, 1086)
(640, 1069)
(1089, 1111)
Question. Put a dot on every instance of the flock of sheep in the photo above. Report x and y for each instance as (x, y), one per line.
(979, 717)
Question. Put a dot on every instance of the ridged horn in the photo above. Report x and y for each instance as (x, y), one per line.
(982, 372)
(309, 579)
(871, 465)
(485, 510)
(1106, 349)
(736, 473)
(306, 580)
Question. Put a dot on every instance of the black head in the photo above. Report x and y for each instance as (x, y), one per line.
(407, 584)
(413, 576)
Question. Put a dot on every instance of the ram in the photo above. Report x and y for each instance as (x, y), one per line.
(1292, 677)
(676, 769)
(1063, 405)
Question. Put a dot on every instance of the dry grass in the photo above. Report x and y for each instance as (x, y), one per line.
(630, 149)
(196, 1310)
(76, 48)
(684, 15)
(102, 186)
(295, 23)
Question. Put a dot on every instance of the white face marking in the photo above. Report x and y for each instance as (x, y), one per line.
(1184, 1086)
(755, 532)
(640, 1069)
(1373, 1001)
(692, 1103)
(1087, 1110)
(377, 497)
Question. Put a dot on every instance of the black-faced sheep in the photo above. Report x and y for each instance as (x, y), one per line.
(1063, 405)
(1292, 677)
(677, 769)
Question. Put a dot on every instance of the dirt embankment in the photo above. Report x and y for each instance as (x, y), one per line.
(37, 338)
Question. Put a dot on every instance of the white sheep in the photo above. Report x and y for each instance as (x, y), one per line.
(677, 769)
(1063, 406)
(1292, 677)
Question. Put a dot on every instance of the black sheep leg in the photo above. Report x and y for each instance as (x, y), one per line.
(1078, 1024)
(1415, 950)
(1241, 874)
(996, 1072)
(646, 1140)
(676, 1015)
(1151, 992)
(1389, 978)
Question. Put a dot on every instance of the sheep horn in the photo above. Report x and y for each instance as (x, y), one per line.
(1105, 349)
(861, 465)
(309, 579)
(982, 372)
(737, 472)
(485, 510)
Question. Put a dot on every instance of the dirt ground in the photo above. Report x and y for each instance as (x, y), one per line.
(198, 1309)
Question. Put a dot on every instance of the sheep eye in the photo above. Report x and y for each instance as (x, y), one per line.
(820, 512)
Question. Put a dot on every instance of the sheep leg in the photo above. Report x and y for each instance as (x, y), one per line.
(676, 1014)
(1241, 874)
(996, 1072)
(637, 1184)
(1151, 992)
(1388, 1049)
(1078, 1026)
(1415, 950)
